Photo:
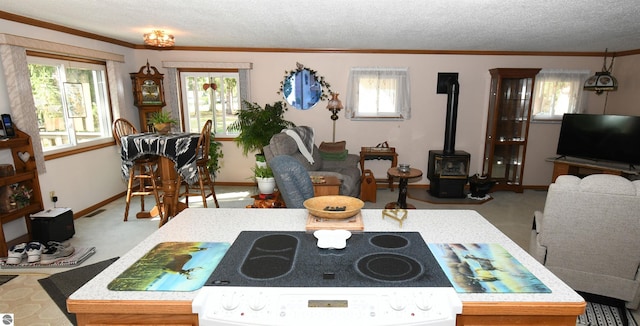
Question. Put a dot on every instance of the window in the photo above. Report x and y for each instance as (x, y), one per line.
(558, 92)
(378, 93)
(210, 95)
(72, 105)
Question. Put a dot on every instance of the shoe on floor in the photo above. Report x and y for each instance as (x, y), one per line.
(16, 253)
(34, 250)
(54, 252)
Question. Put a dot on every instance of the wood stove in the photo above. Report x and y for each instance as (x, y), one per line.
(448, 169)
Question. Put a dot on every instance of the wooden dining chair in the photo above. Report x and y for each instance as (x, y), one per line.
(143, 170)
(204, 179)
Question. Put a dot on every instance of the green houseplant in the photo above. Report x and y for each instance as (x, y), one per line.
(264, 177)
(162, 121)
(215, 154)
(256, 125)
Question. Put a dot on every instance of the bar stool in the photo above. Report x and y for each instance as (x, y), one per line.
(142, 171)
(204, 179)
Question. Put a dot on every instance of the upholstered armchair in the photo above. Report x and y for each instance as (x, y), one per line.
(589, 235)
(345, 167)
(292, 179)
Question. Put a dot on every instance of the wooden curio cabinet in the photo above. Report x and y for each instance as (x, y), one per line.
(18, 178)
(148, 93)
(508, 126)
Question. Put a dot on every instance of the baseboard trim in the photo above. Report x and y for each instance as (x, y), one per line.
(96, 206)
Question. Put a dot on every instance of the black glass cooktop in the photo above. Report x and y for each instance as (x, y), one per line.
(292, 259)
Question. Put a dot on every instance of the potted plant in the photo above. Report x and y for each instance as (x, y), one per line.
(215, 154)
(162, 121)
(264, 177)
(256, 125)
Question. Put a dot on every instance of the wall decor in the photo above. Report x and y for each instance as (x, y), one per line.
(302, 88)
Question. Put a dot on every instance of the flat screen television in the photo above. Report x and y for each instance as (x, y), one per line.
(601, 137)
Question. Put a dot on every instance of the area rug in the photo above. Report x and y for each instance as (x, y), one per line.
(422, 194)
(29, 303)
(78, 257)
(61, 285)
(603, 311)
(6, 278)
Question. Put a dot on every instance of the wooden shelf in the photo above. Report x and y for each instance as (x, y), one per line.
(25, 173)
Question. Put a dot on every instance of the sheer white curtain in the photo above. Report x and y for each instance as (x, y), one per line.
(23, 108)
(116, 89)
(171, 92)
(378, 93)
(557, 92)
(245, 84)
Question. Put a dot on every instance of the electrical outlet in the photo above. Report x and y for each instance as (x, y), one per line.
(52, 194)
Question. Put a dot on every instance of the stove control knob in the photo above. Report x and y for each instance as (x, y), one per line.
(424, 301)
(257, 302)
(230, 300)
(397, 302)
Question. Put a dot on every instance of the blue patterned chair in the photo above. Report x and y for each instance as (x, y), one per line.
(292, 180)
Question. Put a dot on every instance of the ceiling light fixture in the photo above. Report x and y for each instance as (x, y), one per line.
(159, 39)
(602, 81)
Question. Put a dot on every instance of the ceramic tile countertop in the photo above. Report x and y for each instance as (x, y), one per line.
(224, 225)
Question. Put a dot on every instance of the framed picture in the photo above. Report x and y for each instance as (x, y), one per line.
(74, 95)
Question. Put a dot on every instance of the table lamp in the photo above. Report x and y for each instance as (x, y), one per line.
(335, 105)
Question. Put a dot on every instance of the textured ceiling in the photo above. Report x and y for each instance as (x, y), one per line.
(439, 25)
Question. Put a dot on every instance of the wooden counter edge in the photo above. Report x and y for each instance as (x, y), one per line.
(129, 306)
(523, 308)
(468, 308)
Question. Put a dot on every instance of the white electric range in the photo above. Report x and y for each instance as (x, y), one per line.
(284, 278)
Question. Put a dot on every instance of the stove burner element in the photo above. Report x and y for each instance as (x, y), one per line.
(389, 241)
(284, 259)
(270, 256)
(389, 267)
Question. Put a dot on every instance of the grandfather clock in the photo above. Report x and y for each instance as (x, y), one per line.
(148, 93)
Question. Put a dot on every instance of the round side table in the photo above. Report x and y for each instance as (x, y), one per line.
(402, 186)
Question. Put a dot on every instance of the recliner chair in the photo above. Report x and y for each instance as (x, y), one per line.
(292, 179)
(347, 170)
(589, 235)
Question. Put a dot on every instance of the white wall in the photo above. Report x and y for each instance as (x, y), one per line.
(412, 138)
(85, 179)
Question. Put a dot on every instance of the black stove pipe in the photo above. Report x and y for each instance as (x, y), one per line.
(453, 89)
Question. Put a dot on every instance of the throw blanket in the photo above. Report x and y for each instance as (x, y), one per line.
(304, 138)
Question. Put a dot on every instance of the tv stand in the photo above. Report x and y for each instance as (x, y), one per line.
(583, 167)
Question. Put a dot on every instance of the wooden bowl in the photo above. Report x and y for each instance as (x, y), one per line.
(321, 206)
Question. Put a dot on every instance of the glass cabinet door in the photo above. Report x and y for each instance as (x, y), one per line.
(508, 126)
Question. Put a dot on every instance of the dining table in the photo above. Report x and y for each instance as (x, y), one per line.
(177, 162)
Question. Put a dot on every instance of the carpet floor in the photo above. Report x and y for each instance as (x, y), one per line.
(61, 285)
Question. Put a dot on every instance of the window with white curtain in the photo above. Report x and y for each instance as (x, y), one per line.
(378, 93)
(210, 95)
(71, 99)
(557, 92)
